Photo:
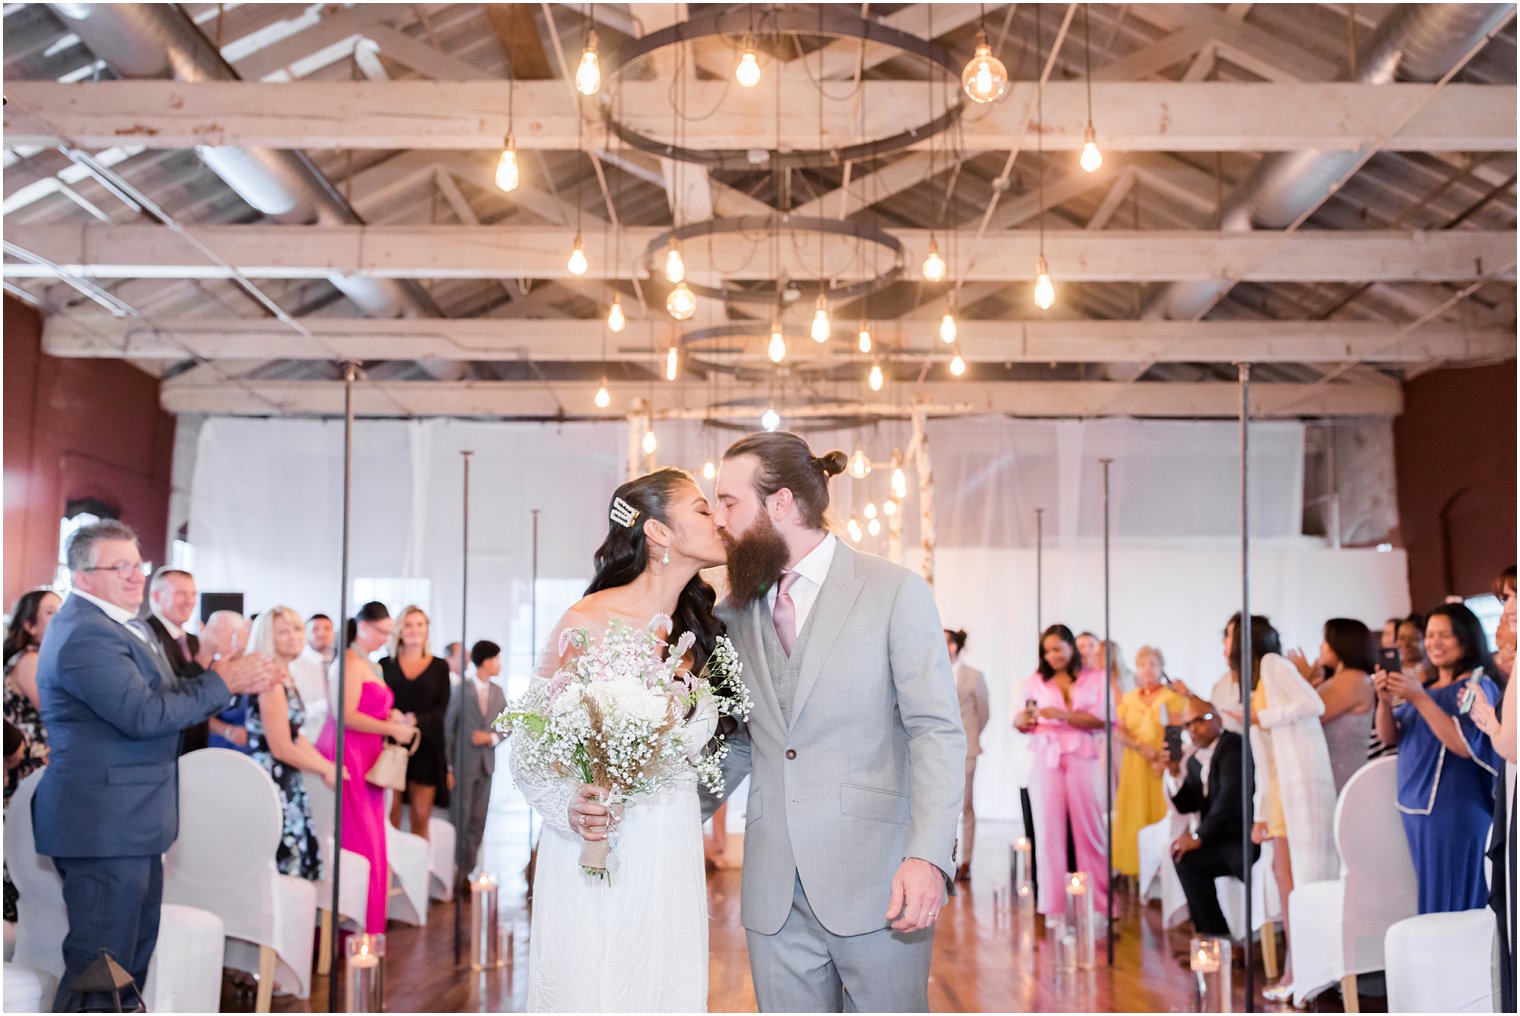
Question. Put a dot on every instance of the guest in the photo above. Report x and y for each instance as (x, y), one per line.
(1504, 635)
(29, 619)
(420, 683)
(1346, 653)
(225, 633)
(1410, 642)
(107, 806)
(1067, 732)
(971, 688)
(1142, 718)
(1446, 763)
(1390, 637)
(368, 719)
(1295, 797)
(321, 644)
(1501, 851)
(472, 750)
(1092, 650)
(1226, 696)
(453, 653)
(1017, 703)
(1210, 790)
(275, 741)
(171, 602)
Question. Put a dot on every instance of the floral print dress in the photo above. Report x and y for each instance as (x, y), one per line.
(298, 853)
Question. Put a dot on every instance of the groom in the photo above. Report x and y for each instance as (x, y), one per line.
(855, 749)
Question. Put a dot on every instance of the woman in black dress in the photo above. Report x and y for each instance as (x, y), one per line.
(420, 682)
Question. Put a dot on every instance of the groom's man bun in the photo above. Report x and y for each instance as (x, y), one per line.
(787, 462)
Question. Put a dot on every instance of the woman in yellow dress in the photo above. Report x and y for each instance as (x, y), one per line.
(1142, 731)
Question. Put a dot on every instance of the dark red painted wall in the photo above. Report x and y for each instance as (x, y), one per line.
(1455, 455)
(76, 429)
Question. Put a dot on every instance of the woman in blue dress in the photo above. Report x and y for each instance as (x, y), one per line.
(1447, 765)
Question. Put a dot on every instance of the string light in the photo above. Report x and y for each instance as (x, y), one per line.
(577, 264)
(777, 348)
(876, 379)
(616, 319)
(860, 466)
(957, 365)
(1044, 289)
(948, 332)
(864, 338)
(770, 420)
(682, 302)
(507, 174)
(709, 470)
(603, 397)
(675, 265)
(650, 442)
(934, 264)
(672, 364)
(822, 327)
(899, 483)
(588, 74)
(748, 71)
(985, 79)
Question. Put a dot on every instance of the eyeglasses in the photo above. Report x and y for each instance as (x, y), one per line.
(125, 569)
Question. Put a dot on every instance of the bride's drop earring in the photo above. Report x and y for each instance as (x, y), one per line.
(665, 557)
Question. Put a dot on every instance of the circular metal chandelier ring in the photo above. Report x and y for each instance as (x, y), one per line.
(770, 292)
(830, 22)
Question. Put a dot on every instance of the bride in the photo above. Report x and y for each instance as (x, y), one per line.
(638, 944)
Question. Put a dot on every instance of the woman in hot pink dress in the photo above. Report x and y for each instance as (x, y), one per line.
(368, 718)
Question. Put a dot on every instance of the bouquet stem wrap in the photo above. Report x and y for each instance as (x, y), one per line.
(595, 854)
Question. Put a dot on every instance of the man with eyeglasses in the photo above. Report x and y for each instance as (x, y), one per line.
(1207, 784)
(107, 806)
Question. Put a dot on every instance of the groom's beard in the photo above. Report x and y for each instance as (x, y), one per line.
(755, 561)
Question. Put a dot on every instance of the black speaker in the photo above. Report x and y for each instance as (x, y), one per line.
(213, 602)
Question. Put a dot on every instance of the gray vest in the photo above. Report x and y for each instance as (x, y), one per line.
(785, 670)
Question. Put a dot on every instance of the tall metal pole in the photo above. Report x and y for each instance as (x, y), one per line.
(533, 648)
(1243, 640)
(461, 872)
(335, 868)
(1039, 572)
(1108, 715)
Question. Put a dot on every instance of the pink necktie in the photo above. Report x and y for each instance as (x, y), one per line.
(784, 616)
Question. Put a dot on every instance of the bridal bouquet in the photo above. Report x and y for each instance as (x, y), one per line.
(622, 713)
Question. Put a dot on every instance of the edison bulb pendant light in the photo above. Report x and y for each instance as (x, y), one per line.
(577, 263)
(650, 443)
(863, 340)
(985, 79)
(947, 327)
(822, 327)
(1091, 159)
(957, 366)
(876, 379)
(873, 526)
(682, 302)
(860, 466)
(1044, 289)
(588, 73)
(934, 267)
(675, 265)
(853, 528)
(777, 348)
(616, 319)
(672, 364)
(709, 470)
(748, 71)
(770, 420)
(603, 397)
(507, 175)
(899, 483)
(889, 508)
(870, 510)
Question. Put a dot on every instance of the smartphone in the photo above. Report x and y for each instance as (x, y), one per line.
(1390, 660)
(1174, 742)
(1468, 696)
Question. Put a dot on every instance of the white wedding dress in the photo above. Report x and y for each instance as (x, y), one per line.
(638, 944)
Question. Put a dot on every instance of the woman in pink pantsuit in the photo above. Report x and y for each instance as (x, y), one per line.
(367, 719)
(1064, 715)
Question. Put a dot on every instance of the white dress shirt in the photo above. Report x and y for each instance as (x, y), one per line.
(120, 615)
(811, 572)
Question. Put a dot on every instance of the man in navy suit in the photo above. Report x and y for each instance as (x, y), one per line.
(107, 806)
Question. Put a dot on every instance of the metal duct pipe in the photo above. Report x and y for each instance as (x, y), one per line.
(1415, 42)
(159, 40)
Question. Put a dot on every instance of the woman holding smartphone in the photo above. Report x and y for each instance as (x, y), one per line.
(1447, 764)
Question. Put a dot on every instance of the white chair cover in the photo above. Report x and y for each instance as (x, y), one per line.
(1338, 926)
(25, 990)
(409, 871)
(185, 974)
(441, 847)
(1443, 963)
(1266, 902)
(229, 828)
(353, 890)
(1156, 864)
(10, 940)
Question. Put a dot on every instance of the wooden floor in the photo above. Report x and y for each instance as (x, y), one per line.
(984, 961)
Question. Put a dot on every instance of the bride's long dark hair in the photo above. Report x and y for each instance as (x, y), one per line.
(624, 555)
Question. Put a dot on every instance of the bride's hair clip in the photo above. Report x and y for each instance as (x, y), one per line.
(623, 513)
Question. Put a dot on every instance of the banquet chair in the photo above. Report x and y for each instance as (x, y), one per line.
(185, 974)
(1266, 907)
(408, 856)
(1339, 925)
(1443, 962)
(224, 861)
(1156, 866)
(442, 844)
(25, 990)
(353, 888)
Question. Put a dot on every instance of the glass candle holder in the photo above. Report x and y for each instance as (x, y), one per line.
(1023, 874)
(1209, 960)
(485, 929)
(364, 973)
(1079, 911)
(1063, 935)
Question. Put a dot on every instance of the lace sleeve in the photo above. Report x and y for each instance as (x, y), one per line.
(548, 795)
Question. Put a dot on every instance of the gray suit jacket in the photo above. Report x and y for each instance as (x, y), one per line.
(872, 767)
(462, 719)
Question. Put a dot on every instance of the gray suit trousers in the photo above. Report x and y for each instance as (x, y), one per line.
(806, 968)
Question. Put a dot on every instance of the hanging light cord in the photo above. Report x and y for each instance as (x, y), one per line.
(1087, 55)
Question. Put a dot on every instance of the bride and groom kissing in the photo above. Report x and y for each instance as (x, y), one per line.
(853, 747)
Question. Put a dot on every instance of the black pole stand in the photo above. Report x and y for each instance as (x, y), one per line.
(1110, 668)
(1243, 640)
(350, 371)
(461, 872)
